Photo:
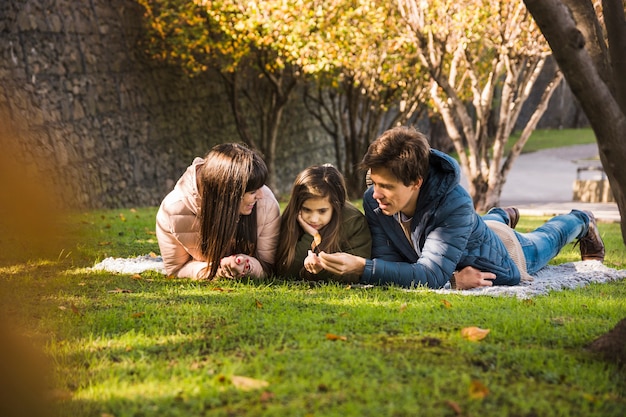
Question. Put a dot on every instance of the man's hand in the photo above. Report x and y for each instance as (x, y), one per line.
(341, 263)
(470, 277)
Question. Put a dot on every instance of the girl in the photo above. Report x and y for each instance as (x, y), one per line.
(318, 218)
(220, 220)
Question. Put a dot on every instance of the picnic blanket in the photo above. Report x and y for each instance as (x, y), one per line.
(551, 278)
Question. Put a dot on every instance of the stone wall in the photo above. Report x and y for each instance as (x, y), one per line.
(84, 108)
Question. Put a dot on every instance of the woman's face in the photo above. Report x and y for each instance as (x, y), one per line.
(317, 212)
(248, 201)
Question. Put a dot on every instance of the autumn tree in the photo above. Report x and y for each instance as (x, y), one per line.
(588, 40)
(234, 38)
(370, 84)
(483, 58)
(349, 52)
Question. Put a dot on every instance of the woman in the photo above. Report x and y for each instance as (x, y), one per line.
(318, 218)
(220, 220)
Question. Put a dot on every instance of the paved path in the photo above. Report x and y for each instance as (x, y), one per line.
(541, 183)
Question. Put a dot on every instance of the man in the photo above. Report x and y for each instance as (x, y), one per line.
(425, 230)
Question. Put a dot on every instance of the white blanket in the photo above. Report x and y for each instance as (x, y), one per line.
(551, 278)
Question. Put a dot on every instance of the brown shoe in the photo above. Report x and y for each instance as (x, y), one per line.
(591, 245)
(513, 214)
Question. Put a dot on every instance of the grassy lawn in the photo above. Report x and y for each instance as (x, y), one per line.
(146, 345)
(555, 138)
(76, 342)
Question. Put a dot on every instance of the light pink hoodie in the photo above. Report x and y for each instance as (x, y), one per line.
(178, 229)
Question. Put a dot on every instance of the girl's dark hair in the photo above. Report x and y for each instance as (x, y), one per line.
(317, 181)
(230, 170)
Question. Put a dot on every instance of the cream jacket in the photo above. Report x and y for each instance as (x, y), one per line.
(178, 228)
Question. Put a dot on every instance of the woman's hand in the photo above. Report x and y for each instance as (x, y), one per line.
(234, 266)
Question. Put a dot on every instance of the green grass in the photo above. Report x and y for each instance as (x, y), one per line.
(122, 345)
(555, 138)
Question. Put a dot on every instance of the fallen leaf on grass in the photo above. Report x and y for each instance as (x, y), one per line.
(258, 304)
(474, 334)
(403, 307)
(247, 384)
(104, 243)
(136, 276)
(477, 390)
(446, 303)
(220, 289)
(122, 217)
(223, 289)
(76, 310)
(119, 290)
(331, 336)
(153, 255)
(138, 314)
(455, 407)
(266, 396)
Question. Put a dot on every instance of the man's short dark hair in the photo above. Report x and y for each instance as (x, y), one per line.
(402, 150)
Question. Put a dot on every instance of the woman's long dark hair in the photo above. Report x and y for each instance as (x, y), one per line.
(230, 170)
(317, 181)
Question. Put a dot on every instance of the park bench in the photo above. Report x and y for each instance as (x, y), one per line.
(591, 184)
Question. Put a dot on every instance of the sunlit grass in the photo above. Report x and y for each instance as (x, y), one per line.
(147, 345)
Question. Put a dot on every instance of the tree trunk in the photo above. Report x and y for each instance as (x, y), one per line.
(588, 81)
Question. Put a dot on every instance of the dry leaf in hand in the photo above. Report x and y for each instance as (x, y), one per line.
(317, 240)
(247, 384)
(455, 407)
(474, 334)
(477, 390)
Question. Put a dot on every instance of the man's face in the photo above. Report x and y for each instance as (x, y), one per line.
(392, 195)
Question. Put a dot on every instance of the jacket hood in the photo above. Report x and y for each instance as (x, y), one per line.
(443, 176)
(188, 186)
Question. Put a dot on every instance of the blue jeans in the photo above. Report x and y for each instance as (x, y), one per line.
(545, 242)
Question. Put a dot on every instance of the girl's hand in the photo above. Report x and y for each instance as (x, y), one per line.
(306, 227)
(312, 263)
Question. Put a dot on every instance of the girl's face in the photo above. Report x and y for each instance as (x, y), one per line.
(248, 201)
(317, 212)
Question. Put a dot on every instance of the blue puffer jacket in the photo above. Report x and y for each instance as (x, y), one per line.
(446, 230)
